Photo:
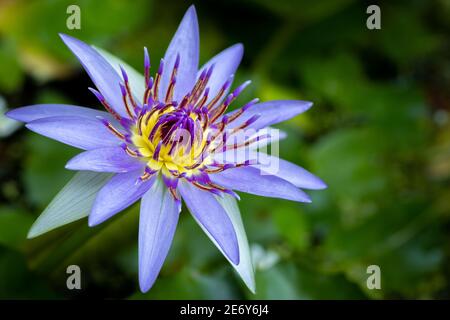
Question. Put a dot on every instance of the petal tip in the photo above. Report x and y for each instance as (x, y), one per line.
(145, 283)
(31, 125)
(36, 230)
(70, 165)
(92, 221)
(302, 197)
(143, 289)
(37, 124)
(305, 197)
(191, 9)
(190, 15)
(316, 184)
(252, 286)
(309, 104)
(321, 185)
(234, 256)
(302, 105)
(13, 114)
(32, 233)
(65, 38)
(239, 47)
(235, 260)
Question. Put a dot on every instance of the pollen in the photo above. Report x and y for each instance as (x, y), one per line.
(172, 140)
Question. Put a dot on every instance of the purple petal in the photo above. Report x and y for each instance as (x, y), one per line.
(113, 159)
(185, 43)
(82, 133)
(272, 165)
(157, 224)
(271, 112)
(39, 111)
(120, 192)
(290, 172)
(101, 72)
(237, 155)
(250, 180)
(225, 64)
(211, 215)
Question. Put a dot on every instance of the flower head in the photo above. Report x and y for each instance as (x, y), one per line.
(168, 138)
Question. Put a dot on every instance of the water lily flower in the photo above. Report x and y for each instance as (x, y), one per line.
(162, 140)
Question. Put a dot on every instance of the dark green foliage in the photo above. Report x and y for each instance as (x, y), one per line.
(378, 134)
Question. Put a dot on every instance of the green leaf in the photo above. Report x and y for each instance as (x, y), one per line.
(136, 79)
(278, 282)
(292, 226)
(13, 227)
(397, 43)
(180, 285)
(42, 51)
(304, 10)
(357, 151)
(72, 203)
(11, 74)
(18, 281)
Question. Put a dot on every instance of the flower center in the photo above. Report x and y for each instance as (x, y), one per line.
(179, 138)
(172, 140)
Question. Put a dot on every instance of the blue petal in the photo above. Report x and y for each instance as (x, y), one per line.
(211, 216)
(157, 224)
(83, 133)
(113, 159)
(225, 64)
(136, 78)
(290, 172)
(186, 43)
(250, 180)
(271, 112)
(39, 111)
(101, 72)
(119, 193)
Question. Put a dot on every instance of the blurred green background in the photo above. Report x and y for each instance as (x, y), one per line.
(379, 135)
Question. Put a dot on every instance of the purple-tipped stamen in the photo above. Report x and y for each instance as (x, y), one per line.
(146, 67)
(124, 74)
(157, 150)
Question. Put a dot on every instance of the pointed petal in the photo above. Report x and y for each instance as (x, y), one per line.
(212, 218)
(273, 165)
(157, 224)
(137, 82)
(274, 136)
(39, 111)
(72, 203)
(119, 193)
(82, 133)
(101, 72)
(225, 64)
(271, 112)
(186, 43)
(245, 266)
(112, 159)
(250, 180)
(290, 172)
(241, 154)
